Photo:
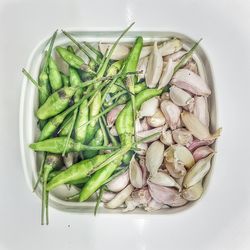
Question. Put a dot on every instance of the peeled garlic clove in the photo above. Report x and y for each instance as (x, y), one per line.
(135, 173)
(194, 192)
(142, 148)
(113, 131)
(170, 47)
(107, 196)
(153, 206)
(154, 157)
(70, 158)
(192, 66)
(113, 114)
(119, 199)
(188, 80)
(142, 67)
(179, 96)
(119, 183)
(146, 50)
(176, 169)
(201, 109)
(154, 68)
(164, 195)
(163, 179)
(149, 107)
(167, 74)
(198, 171)
(166, 137)
(182, 136)
(157, 119)
(175, 56)
(171, 112)
(121, 51)
(202, 152)
(198, 129)
(198, 143)
(150, 132)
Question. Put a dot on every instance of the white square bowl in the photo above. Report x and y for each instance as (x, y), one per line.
(28, 105)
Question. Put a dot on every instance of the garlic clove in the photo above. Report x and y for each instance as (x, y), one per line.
(202, 152)
(113, 131)
(167, 73)
(135, 173)
(107, 196)
(143, 134)
(70, 158)
(142, 67)
(170, 47)
(198, 143)
(163, 179)
(175, 56)
(171, 112)
(165, 96)
(157, 119)
(142, 148)
(198, 129)
(188, 80)
(175, 169)
(154, 68)
(113, 114)
(193, 193)
(130, 204)
(138, 126)
(119, 183)
(121, 51)
(192, 66)
(144, 124)
(162, 194)
(154, 157)
(149, 107)
(178, 202)
(179, 154)
(146, 51)
(200, 109)
(144, 170)
(182, 136)
(179, 96)
(120, 198)
(166, 137)
(153, 205)
(198, 171)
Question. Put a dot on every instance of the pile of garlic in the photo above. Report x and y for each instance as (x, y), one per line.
(168, 170)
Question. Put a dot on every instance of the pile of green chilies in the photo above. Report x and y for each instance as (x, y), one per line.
(72, 116)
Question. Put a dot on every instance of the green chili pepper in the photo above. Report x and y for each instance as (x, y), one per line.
(98, 179)
(55, 78)
(65, 80)
(97, 141)
(140, 87)
(52, 161)
(77, 171)
(127, 157)
(56, 145)
(82, 117)
(56, 103)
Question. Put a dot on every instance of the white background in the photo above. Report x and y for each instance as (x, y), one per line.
(221, 220)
